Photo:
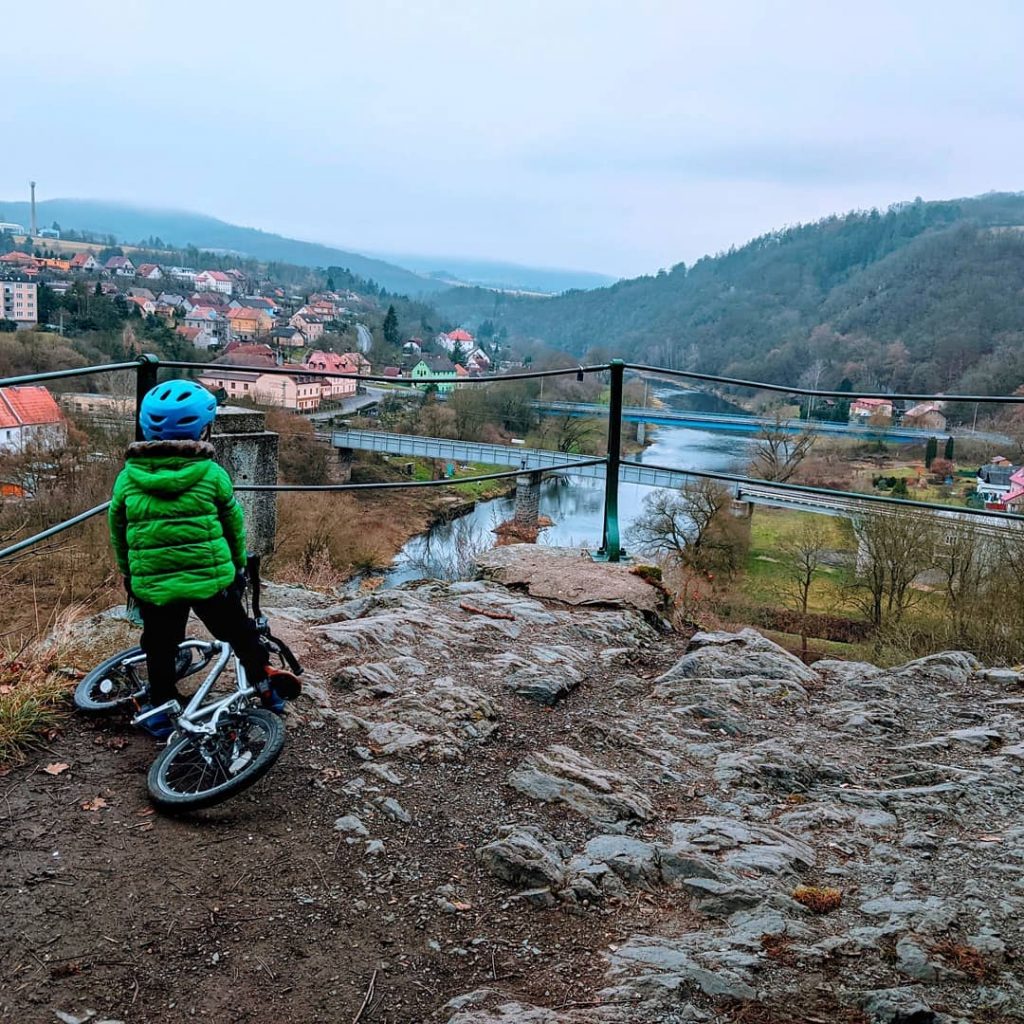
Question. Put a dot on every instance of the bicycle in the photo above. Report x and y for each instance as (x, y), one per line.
(219, 746)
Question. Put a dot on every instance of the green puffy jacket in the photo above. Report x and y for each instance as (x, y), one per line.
(175, 526)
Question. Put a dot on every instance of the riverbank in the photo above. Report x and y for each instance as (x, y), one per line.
(327, 539)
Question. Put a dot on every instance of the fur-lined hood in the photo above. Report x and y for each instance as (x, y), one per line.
(185, 449)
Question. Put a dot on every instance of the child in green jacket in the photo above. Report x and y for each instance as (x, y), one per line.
(179, 539)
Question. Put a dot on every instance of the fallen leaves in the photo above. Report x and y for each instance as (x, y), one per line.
(57, 768)
(97, 803)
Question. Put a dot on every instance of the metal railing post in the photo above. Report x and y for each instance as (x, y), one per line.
(145, 378)
(610, 544)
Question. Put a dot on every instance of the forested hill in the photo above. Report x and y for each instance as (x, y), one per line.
(178, 228)
(923, 297)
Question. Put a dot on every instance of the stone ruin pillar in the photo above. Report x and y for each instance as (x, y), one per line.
(248, 451)
(527, 500)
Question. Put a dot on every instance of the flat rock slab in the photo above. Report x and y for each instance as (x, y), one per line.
(570, 576)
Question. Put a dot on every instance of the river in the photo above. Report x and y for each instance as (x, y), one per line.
(576, 504)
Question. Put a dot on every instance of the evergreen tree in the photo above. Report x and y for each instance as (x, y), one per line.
(391, 326)
(948, 453)
(930, 451)
(330, 284)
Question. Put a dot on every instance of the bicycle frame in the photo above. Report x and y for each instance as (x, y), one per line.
(197, 717)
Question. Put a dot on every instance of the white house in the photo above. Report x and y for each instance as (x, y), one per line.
(120, 266)
(214, 281)
(30, 416)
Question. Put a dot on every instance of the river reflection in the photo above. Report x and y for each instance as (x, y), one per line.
(576, 504)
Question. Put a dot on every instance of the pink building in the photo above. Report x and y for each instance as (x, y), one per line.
(18, 303)
(334, 387)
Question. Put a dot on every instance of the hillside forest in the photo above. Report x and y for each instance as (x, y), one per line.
(924, 297)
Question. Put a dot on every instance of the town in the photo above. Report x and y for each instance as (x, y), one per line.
(226, 317)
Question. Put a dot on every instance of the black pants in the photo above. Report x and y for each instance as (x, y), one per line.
(164, 628)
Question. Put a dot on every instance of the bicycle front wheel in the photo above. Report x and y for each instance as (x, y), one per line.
(116, 682)
(195, 772)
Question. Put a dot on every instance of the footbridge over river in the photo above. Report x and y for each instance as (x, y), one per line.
(534, 462)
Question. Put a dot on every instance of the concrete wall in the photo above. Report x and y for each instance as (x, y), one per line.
(248, 452)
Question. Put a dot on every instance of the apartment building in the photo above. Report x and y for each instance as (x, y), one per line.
(18, 303)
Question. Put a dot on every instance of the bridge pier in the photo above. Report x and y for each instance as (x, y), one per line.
(641, 432)
(343, 466)
(527, 500)
(248, 452)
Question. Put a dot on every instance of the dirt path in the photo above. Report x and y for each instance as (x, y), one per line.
(260, 910)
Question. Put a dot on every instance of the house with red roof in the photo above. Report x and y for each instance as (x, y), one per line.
(459, 337)
(346, 362)
(149, 272)
(240, 353)
(84, 262)
(866, 408)
(214, 281)
(29, 417)
(18, 259)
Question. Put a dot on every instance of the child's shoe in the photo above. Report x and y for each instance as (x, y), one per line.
(159, 726)
(284, 683)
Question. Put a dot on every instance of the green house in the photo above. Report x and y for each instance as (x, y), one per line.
(434, 366)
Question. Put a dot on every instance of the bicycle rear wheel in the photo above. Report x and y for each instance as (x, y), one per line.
(195, 772)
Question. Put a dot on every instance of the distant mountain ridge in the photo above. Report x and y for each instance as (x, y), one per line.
(923, 296)
(499, 274)
(413, 275)
(130, 224)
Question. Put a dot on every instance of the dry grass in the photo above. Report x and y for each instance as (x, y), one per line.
(38, 678)
(324, 539)
(964, 958)
(821, 899)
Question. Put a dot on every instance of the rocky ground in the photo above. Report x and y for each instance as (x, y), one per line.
(497, 808)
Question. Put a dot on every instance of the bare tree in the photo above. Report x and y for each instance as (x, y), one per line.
(960, 558)
(568, 434)
(804, 553)
(691, 525)
(893, 549)
(779, 451)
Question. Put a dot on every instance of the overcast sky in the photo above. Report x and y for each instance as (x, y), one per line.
(614, 136)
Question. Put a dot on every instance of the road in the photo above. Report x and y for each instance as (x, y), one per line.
(347, 406)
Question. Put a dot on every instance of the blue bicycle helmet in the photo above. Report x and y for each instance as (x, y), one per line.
(178, 410)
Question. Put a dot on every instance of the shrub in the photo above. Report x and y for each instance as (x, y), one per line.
(821, 899)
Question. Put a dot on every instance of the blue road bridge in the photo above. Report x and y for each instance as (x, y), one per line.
(738, 423)
(534, 462)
